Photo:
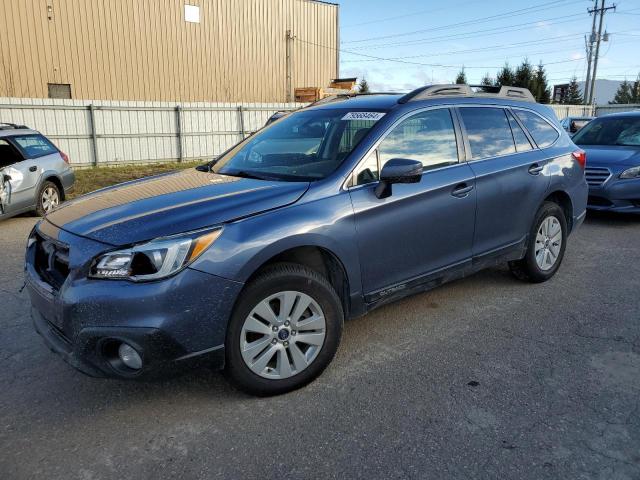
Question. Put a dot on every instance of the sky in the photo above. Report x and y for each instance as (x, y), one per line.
(430, 41)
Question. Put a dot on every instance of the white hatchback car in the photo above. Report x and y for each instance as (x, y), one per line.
(34, 174)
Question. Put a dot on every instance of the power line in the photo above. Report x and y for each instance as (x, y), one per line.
(551, 40)
(400, 60)
(499, 16)
(413, 14)
(473, 34)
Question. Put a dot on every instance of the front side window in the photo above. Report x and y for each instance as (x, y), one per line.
(488, 132)
(541, 130)
(428, 137)
(610, 131)
(34, 146)
(303, 146)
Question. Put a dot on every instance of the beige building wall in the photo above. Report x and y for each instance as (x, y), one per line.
(145, 50)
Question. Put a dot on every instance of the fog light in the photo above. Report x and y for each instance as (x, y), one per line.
(129, 356)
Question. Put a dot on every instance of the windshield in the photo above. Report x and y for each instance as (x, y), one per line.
(304, 146)
(610, 131)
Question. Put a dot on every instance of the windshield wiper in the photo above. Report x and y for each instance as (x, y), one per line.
(246, 174)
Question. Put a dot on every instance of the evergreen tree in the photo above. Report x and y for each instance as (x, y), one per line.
(540, 86)
(573, 95)
(635, 90)
(624, 93)
(363, 87)
(462, 77)
(487, 80)
(505, 76)
(524, 75)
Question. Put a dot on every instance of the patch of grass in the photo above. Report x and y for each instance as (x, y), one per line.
(90, 179)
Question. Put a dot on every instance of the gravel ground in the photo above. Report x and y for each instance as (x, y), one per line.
(482, 378)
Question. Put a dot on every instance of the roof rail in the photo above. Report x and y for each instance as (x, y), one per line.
(11, 126)
(464, 90)
(346, 96)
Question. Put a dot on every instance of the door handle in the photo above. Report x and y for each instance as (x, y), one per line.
(535, 169)
(461, 190)
(33, 168)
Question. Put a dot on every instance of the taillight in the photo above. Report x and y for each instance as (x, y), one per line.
(64, 157)
(580, 156)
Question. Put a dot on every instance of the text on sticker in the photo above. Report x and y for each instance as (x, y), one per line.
(375, 116)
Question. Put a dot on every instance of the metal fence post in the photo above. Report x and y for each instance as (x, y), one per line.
(241, 122)
(94, 134)
(179, 132)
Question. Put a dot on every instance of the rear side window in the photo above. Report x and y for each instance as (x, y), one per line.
(541, 130)
(522, 142)
(34, 145)
(8, 154)
(488, 132)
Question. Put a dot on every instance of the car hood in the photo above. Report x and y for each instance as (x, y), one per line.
(169, 204)
(611, 155)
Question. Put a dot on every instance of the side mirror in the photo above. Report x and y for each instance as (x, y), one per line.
(573, 128)
(6, 178)
(398, 170)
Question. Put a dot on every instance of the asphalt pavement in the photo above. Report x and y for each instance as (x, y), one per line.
(486, 377)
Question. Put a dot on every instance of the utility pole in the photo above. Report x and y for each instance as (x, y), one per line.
(602, 10)
(290, 38)
(589, 47)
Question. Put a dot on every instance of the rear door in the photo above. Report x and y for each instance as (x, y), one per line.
(510, 176)
(421, 227)
(39, 154)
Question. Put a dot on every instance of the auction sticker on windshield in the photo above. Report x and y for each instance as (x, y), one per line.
(375, 116)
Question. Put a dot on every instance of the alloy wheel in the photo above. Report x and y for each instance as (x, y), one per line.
(548, 243)
(50, 199)
(282, 335)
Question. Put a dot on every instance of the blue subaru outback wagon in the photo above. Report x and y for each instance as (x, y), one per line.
(252, 262)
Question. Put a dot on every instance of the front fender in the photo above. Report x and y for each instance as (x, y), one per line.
(246, 245)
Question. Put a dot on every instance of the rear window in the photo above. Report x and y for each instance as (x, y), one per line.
(488, 132)
(541, 130)
(34, 145)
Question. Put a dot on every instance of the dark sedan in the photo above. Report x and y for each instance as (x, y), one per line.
(612, 144)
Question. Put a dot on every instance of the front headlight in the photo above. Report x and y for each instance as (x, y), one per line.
(633, 172)
(156, 259)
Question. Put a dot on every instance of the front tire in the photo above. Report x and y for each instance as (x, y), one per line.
(284, 331)
(546, 245)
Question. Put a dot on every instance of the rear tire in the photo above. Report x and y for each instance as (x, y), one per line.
(546, 245)
(284, 331)
(49, 197)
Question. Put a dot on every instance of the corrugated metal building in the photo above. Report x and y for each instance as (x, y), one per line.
(166, 50)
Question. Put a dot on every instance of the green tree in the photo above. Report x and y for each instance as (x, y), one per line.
(539, 85)
(487, 80)
(462, 77)
(363, 87)
(505, 76)
(524, 75)
(573, 95)
(624, 94)
(635, 90)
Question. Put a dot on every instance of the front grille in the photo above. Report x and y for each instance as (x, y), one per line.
(51, 260)
(598, 201)
(596, 176)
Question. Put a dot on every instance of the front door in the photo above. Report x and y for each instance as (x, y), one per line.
(422, 227)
